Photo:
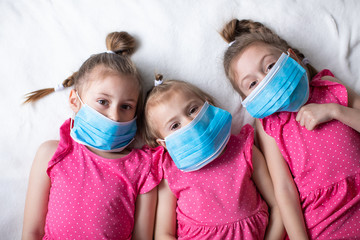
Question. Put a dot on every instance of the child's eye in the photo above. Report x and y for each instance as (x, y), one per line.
(103, 102)
(126, 107)
(193, 110)
(269, 67)
(174, 126)
(253, 84)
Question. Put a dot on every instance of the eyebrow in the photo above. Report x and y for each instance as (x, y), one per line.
(109, 96)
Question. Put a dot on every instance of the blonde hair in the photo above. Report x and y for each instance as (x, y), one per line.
(243, 33)
(123, 45)
(157, 94)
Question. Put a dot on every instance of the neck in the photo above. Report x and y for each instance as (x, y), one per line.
(109, 155)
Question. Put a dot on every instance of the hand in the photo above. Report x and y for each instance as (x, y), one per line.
(311, 115)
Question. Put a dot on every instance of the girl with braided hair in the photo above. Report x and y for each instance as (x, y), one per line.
(307, 126)
(90, 184)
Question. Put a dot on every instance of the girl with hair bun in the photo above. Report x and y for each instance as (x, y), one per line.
(91, 184)
(308, 129)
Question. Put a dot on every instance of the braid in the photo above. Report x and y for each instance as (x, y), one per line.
(38, 94)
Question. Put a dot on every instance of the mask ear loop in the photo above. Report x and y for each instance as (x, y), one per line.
(72, 121)
(73, 115)
(77, 94)
(161, 142)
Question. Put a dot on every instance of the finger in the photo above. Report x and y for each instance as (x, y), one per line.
(311, 125)
(299, 114)
(302, 121)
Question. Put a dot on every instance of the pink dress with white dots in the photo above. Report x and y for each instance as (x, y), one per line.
(220, 201)
(325, 164)
(92, 197)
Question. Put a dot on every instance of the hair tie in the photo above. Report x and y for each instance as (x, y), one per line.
(158, 82)
(59, 87)
(231, 43)
(305, 61)
(109, 51)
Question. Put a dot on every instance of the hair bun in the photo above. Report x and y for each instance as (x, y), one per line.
(236, 27)
(121, 43)
(158, 77)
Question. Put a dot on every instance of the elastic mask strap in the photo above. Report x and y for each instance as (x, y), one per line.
(161, 140)
(79, 97)
(73, 116)
(72, 121)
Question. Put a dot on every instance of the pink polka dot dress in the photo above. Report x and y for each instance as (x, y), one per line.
(325, 164)
(220, 201)
(92, 197)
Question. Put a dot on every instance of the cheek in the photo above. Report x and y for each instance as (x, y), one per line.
(239, 89)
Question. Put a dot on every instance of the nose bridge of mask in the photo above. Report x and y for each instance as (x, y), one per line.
(294, 82)
(189, 125)
(297, 99)
(216, 143)
(206, 134)
(97, 124)
(198, 131)
(268, 78)
(260, 93)
(93, 129)
(279, 92)
(284, 86)
(207, 139)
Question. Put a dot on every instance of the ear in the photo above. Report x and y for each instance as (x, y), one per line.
(161, 143)
(211, 102)
(293, 55)
(74, 101)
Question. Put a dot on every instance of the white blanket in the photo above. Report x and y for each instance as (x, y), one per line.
(42, 42)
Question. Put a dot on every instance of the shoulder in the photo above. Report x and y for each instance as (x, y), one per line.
(148, 155)
(244, 140)
(151, 152)
(332, 79)
(326, 75)
(246, 133)
(44, 154)
(48, 148)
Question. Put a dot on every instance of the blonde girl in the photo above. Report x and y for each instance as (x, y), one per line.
(90, 184)
(215, 182)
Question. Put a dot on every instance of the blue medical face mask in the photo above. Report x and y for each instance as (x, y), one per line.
(202, 140)
(93, 129)
(284, 88)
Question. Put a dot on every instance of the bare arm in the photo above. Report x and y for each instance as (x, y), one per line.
(313, 114)
(37, 197)
(261, 177)
(286, 193)
(165, 226)
(145, 215)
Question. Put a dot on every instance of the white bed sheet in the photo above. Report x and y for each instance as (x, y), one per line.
(42, 42)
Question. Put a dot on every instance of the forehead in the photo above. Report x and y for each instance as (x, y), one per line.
(250, 56)
(101, 77)
(258, 49)
(171, 100)
(177, 91)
